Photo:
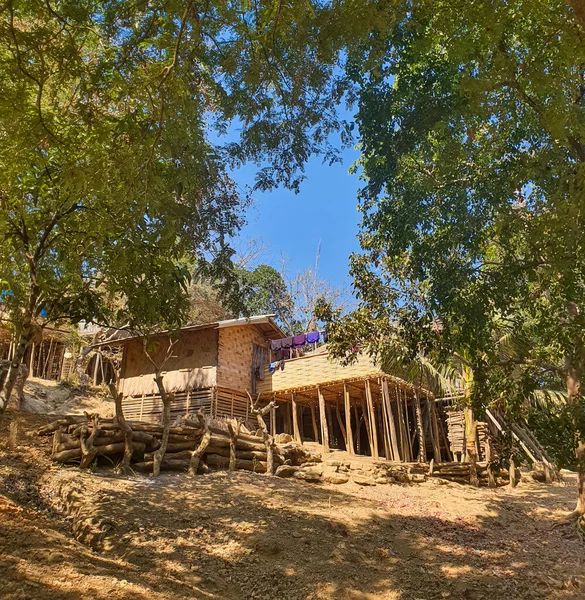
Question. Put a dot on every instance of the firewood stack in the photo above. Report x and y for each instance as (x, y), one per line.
(82, 439)
(456, 431)
(460, 473)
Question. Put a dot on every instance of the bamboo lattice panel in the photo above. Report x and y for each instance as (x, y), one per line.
(150, 408)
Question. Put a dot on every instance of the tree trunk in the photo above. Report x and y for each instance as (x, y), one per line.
(234, 432)
(203, 444)
(267, 438)
(166, 424)
(25, 336)
(574, 375)
(125, 427)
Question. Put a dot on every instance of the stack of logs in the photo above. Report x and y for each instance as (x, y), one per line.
(81, 439)
(456, 435)
(460, 473)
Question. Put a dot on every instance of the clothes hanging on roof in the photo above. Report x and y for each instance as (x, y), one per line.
(313, 337)
(286, 343)
(299, 340)
(275, 345)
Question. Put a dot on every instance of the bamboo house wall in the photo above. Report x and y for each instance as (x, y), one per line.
(193, 364)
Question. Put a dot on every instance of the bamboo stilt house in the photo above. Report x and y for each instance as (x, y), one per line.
(357, 408)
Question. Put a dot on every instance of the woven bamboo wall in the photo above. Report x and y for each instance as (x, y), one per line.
(312, 370)
(236, 344)
(193, 366)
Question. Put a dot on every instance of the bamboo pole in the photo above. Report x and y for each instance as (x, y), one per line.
(400, 456)
(386, 430)
(347, 402)
(367, 422)
(296, 432)
(31, 362)
(273, 420)
(372, 415)
(422, 452)
(406, 425)
(341, 425)
(358, 427)
(323, 417)
(434, 429)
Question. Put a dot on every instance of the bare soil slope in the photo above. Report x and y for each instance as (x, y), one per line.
(67, 534)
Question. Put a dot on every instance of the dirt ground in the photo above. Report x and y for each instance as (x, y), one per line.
(54, 398)
(67, 534)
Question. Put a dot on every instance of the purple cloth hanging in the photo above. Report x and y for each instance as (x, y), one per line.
(275, 345)
(299, 340)
(286, 342)
(313, 337)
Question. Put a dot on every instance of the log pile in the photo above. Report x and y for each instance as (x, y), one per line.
(461, 473)
(83, 439)
(456, 431)
(456, 435)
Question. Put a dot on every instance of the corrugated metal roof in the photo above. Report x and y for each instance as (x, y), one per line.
(271, 329)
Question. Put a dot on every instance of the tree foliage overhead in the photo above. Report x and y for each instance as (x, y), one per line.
(472, 132)
(111, 180)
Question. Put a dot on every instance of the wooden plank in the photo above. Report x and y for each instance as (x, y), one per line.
(347, 401)
(323, 417)
(295, 420)
(372, 416)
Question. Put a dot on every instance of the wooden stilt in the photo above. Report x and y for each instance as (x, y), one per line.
(96, 367)
(331, 423)
(31, 363)
(323, 417)
(372, 416)
(341, 425)
(273, 420)
(48, 359)
(434, 429)
(367, 422)
(422, 451)
(296, 432)
(301, 422)
(314, 420)
(406, 425)
(347, 402)
(386, 431)
(358, 429)
(398, 456)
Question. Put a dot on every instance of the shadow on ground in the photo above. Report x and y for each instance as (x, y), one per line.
(246, 536)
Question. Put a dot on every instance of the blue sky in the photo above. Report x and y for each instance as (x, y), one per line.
(294, 224)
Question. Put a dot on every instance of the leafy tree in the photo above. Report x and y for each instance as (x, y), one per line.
(264, 292)
(108, 177)
(472, 129)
